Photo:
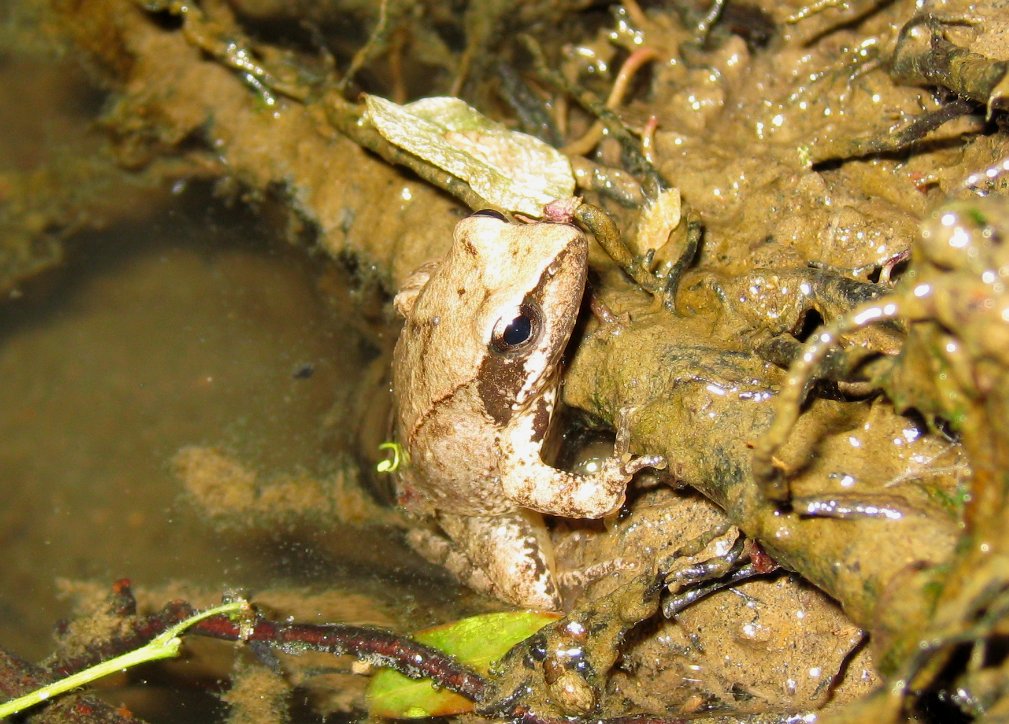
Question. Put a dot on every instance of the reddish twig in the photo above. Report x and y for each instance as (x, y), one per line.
(635, 60)
(372, 645)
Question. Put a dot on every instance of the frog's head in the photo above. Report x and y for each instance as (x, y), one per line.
(534, 277)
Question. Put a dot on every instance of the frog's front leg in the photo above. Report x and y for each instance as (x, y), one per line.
(507, 556)
(528, 482)
(534, 484)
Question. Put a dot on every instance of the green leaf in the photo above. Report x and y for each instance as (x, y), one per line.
(477, 641)
(510, 170)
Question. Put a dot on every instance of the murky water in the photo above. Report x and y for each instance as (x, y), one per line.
(189, 328)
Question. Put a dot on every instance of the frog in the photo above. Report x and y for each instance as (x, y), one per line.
(476, 374)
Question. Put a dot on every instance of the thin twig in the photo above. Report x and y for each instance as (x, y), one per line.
(630, 67)
(636, 161)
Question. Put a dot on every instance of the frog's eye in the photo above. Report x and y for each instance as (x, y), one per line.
(491, 213)
(514, 332)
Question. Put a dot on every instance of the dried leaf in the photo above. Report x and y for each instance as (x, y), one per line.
(657, 220)
(511, 170)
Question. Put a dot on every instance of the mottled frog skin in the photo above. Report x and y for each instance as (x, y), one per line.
(476, 373)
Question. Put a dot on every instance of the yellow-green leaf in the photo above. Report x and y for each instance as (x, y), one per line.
(477, 641)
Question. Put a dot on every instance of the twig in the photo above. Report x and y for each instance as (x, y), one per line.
(896, 141)
(375, 646)
(18, 677)
(377, 36)
(924, 57)
(635, 160)
(163, 646)
(630, 67)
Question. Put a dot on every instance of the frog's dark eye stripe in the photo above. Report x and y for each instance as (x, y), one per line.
(503, 373)
(491, 213)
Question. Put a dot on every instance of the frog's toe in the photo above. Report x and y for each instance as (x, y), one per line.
(658, 462)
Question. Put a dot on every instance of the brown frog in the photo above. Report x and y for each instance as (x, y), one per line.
(476, 374)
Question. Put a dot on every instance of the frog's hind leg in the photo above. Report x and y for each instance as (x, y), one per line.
(506, 556)
(435, 548)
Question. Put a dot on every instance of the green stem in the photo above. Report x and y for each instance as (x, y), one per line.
(163, 646)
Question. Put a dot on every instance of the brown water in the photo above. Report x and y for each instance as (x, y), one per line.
(187, 328)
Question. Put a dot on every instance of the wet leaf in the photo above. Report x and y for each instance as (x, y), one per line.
(657, 220)
(511, 170)
(477, 641)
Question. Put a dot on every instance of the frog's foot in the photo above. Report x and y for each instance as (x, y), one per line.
(435, 548)
(621, 447)
(508, 556)
(711, 555)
